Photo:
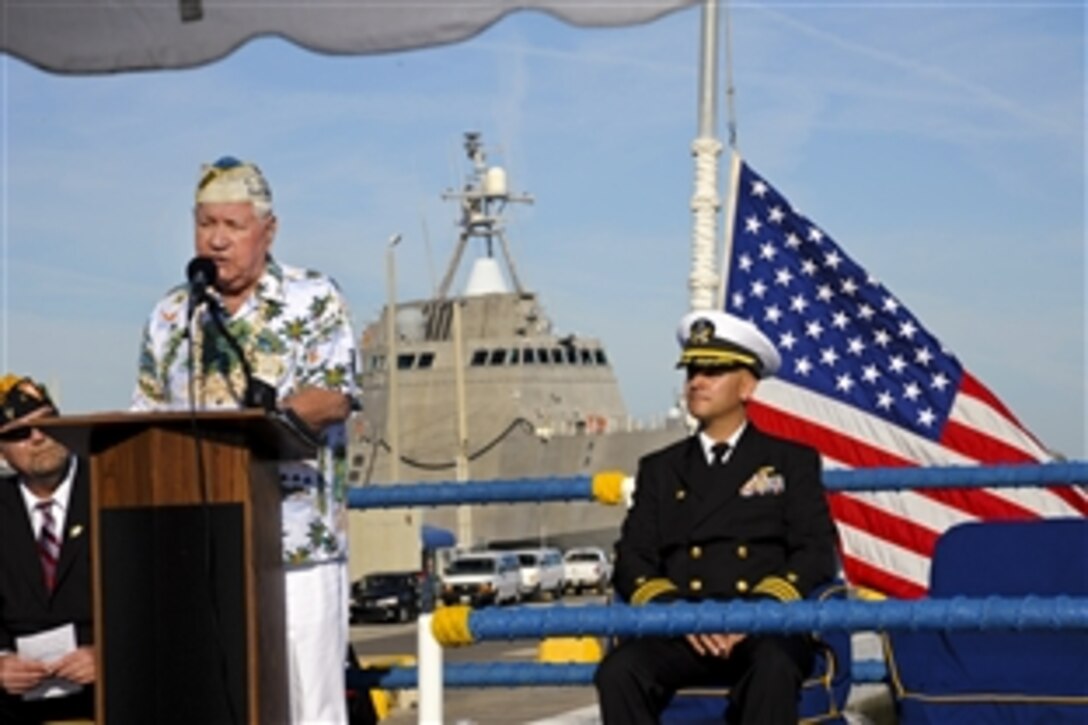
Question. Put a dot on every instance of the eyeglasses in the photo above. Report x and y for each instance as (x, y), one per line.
(16, 435)
(24, 431)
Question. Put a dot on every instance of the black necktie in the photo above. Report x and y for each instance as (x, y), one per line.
(719, 451)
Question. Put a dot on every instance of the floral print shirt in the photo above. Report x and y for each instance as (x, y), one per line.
(295, 330)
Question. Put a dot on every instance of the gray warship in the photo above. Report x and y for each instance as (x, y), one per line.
(481, 386)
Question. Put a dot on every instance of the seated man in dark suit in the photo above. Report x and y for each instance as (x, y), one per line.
(730, 513)
(45, 577)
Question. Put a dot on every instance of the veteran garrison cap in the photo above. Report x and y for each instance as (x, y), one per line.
(232, 180)
(20, 396)
(710, 338)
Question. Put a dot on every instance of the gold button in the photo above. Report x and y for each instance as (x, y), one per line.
(680, 494)
(640, 581)
(742, 586)
(696, 585)
(696, 552)
(742, 552)
(792, 577)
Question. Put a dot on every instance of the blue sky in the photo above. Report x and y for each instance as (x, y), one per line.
(942, 146)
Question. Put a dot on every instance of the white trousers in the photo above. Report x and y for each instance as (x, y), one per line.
(317, 642)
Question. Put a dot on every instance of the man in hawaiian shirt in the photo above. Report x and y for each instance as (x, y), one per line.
(295, 330)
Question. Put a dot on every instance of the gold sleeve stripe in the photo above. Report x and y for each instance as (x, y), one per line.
(651, 589)
(778, 588)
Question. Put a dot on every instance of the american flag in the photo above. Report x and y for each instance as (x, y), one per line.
(865, 383)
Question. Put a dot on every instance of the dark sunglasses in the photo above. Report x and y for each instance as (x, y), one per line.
(17, 434)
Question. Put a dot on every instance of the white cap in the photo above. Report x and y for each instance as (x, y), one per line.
(231, 180)
(711, 338)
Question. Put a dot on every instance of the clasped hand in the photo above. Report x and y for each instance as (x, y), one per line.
(18, 674)
(714, 645)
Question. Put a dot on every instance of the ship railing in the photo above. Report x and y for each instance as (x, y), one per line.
(453, 626)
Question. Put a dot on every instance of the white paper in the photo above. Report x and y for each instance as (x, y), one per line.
(49, 646)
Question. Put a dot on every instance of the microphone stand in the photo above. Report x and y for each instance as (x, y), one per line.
(258, 393)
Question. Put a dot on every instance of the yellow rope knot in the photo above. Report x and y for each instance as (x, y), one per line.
(450, 626)
(608, 487)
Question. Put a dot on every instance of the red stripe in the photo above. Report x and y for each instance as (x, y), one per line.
(976, 444)
(1072, 496)
(831, 443)
(970, 385)
(979, 502)
(861, 573)
(888, 526)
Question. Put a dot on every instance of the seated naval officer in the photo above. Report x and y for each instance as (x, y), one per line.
(45, 567)
(729, 513)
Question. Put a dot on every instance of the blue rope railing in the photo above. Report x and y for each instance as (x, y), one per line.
(680, 618)
(526, 674)
(580, 488)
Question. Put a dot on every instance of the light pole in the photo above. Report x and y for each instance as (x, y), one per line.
(392, 418)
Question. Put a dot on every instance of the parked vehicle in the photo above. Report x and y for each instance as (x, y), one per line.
(541, 573)
(586, 567)
(387, 596)
(479, 578)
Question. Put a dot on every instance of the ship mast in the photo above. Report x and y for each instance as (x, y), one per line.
(482, 202)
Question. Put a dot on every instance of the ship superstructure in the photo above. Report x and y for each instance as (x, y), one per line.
(504, 396)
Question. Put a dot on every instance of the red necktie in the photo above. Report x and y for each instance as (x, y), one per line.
(48, 544)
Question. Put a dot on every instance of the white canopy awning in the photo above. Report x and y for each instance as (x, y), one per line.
(99, 36)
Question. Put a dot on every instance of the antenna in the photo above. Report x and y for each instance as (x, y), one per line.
(427, 250)
(483, 199)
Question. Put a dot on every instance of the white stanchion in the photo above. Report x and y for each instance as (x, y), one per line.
(429, 658)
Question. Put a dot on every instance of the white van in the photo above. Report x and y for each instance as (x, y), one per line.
(587, 567)
(541, 573)
(481, 577)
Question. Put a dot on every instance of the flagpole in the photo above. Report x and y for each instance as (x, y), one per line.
(734, 165)
(705, 202)
(730, 217)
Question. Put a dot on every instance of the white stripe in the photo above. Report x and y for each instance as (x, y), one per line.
(852, 422)
(1046, 504)
(918, 510)
(979, 415)
(883, 554)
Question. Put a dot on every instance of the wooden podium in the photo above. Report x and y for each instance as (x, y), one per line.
(187, 563)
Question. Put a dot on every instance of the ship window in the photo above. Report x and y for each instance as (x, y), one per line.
(498, 357)
(601, 359)
(587, 356)
(515, 356)
(572, 355)
(426, 359)
(377, 362)
(557, 355)
(479, 357)
(542, 355)
(529, 356)
(406, 361)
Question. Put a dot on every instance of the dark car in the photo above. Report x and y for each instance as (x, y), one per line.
(387, 596)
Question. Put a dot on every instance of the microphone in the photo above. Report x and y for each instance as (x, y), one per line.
(201, 274)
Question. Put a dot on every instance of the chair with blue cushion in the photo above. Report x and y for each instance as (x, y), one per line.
(998, 676)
